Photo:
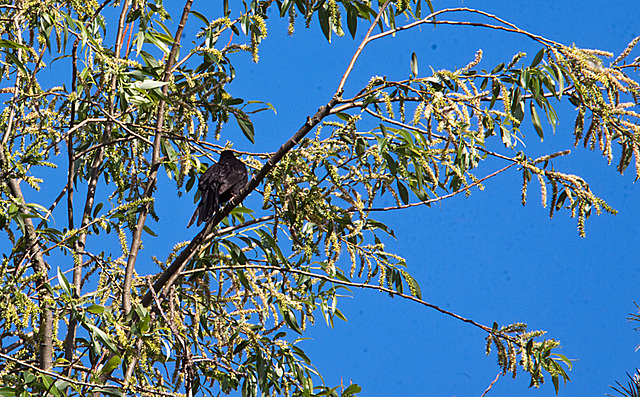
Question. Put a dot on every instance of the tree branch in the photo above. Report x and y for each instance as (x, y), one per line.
(357, 285)
(155, 163)
(491, 384)
(168, 277)
(355, 56)
(31, 239)
(446, 196)
(431, 19)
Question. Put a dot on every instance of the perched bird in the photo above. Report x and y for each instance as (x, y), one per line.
(219, 183)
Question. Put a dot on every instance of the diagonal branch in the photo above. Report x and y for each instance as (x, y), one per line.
(168, 277)
(358, 285)
(440, 198)
(364, 42)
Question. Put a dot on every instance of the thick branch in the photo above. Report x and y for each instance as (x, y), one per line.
(31, 239)
(155, 163)
(168, 277)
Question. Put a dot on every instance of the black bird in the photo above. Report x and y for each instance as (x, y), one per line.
(219, 183)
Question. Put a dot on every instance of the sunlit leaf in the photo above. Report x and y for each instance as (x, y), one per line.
(414, 64)
(149, 84)
(113, 363)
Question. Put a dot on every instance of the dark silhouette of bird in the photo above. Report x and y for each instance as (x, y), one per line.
(219, 183)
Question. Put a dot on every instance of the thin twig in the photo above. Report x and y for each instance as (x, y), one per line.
(136, 240)
(364, 42)
(446, 196)
(54, 374)
(431, 19)
(491, 384)
(351, 284)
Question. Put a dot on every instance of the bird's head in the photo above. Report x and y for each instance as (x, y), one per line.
(227, 153)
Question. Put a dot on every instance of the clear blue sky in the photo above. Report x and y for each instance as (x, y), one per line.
(484, 257)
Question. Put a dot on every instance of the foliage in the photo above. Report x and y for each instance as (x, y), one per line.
(217, 316)
(633, 386)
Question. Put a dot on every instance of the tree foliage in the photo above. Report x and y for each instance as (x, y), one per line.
(135, 95)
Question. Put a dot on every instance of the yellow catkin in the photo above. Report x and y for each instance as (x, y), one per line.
(525, 183)
(543, 190)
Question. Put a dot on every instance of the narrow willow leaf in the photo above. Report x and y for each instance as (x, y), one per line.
(246, 126)
(538, 58)
(536, 121)
(414, 64)
(404, 194)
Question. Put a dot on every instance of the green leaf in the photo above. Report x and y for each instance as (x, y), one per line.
(133, 15)
(414, 64)
(506, 136)
(536, 121)
(28, 377)
(242, 210)
(373, 224)
(48, 384)
(246, 126)
(95, 309)
(402, 190)
(202, 17)
(339, 314)
(243, 280)
(391, 163)
(240, 347)
(352, 20)
(351, 390)
(102, 336)
(323, 18)
(113, 363)
(17, 63)
(97, 209)
(560, 85)
(291, 321)
(109, 390)
(64, 283)
(495, 92)
(564, 359)
(498, 68)
(236, 253)
(268, 105)
(12, 44)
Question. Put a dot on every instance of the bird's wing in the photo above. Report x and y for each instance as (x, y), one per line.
(232, 172)
(218, 184)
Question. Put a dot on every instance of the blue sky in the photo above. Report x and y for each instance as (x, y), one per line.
(484, 257)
